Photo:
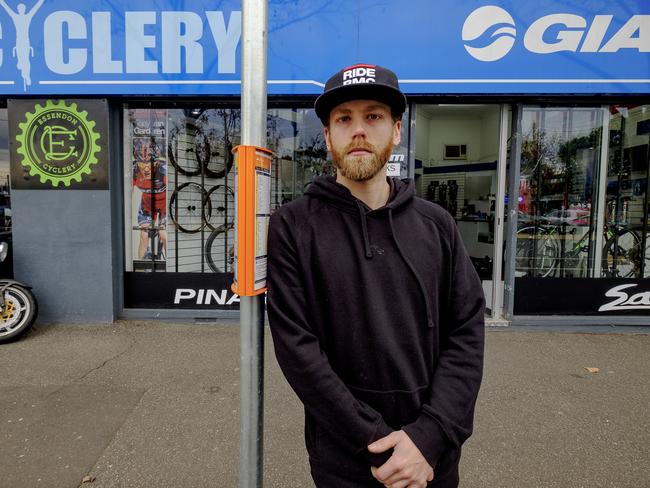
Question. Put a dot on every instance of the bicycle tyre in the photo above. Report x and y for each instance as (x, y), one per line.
(544, 264)
(215, 249)
(188, 169)
(223, 167)
(622, 255)
(222, 211)
(185, 206)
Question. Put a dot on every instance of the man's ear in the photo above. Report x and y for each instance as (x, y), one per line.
(397, 133)
(326, 133)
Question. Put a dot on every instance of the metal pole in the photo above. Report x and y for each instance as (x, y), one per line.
(253, 132)
(499, 211)
(599, 214)
(513, 203)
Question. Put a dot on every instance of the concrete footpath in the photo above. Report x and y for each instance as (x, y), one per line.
(150, 404)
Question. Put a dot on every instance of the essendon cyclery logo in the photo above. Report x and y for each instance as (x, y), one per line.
(623, 301)
(360, 73)
(489, 34)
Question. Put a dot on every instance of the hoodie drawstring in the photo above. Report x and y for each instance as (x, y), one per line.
(412, 268)
(364, 229)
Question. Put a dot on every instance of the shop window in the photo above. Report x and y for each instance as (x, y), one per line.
(625, 247)
(560, 158)
(581, 216)
(179, 194)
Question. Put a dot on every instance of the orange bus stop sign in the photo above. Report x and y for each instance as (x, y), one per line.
(252, 213)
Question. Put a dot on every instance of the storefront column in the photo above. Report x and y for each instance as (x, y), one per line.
(62, 210)
(62, 248)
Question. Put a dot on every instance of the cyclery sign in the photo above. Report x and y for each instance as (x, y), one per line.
(58, 144)
(101, 47)
(582, 296)
(74, 46)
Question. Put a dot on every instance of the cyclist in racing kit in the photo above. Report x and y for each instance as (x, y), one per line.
(22, 50)
(151, 178)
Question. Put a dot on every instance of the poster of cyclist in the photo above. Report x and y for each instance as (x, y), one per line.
(149, 189)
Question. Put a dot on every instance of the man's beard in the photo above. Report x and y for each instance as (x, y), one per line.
(361, 168)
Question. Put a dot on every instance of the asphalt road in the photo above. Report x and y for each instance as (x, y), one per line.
(143, 404)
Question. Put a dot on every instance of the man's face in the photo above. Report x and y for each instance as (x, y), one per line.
(145, 169)
(361, 136)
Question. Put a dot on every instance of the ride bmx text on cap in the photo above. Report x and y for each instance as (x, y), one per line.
(361, 82)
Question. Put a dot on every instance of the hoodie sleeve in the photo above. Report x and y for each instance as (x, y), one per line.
(446, 419)
(300, 356)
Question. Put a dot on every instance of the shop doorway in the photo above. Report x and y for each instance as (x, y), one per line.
(460, 154)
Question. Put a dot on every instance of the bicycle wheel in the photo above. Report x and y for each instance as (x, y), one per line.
(220, 249)
(186, 207)
(182, 150)
(537, 252)
(221, 208)
(202, 149)
(217, 164)
(622, 255)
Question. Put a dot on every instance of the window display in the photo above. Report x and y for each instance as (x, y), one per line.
(179, 183)
(560, 231)
(560, 159)
(625, 251)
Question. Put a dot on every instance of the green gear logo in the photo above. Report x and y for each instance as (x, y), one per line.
(58, 143)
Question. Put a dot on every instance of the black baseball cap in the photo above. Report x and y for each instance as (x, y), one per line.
(361, 82)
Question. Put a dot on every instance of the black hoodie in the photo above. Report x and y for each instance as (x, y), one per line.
(377, 319)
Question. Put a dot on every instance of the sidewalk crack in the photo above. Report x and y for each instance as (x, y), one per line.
(118, 355)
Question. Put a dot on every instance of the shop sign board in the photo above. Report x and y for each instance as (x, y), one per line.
(58, 144)
(176, 47)
(581, 296)
(198, 291)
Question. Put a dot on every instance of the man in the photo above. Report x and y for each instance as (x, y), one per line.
(375, 309)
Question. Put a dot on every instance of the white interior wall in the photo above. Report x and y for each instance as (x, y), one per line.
(490, 136)
(454, 130)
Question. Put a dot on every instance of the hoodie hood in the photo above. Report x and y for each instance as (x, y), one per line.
(327, 189)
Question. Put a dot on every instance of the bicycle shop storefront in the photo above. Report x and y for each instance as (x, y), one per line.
(533, 133)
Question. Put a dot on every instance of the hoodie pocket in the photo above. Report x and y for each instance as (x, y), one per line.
(397, 407)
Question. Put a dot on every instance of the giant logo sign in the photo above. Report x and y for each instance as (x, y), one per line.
(489, 24)
(492, 30)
